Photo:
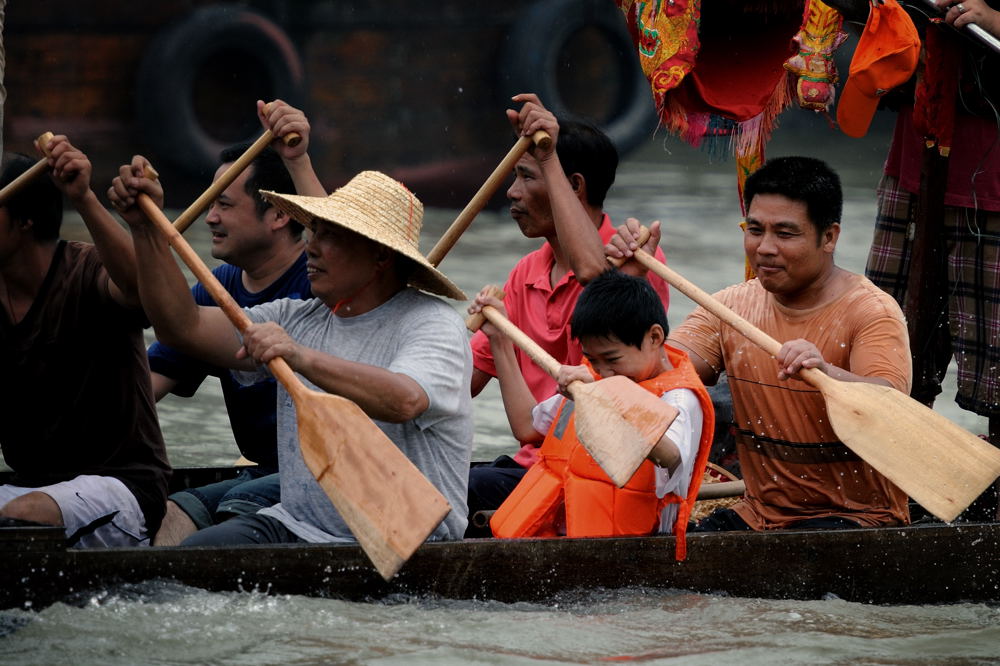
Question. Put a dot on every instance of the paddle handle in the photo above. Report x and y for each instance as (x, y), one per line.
(485, 193)
(201, 204)
(709, 302)
(33, 172)
(279, 368)
(541, 357)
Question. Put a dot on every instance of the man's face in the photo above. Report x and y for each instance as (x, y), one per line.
(238, 234)
(783, 247)
(339, 262)
(529, 200)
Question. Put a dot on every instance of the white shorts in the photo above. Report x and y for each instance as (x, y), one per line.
(88, 499)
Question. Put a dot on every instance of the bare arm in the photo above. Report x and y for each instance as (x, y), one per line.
(665, 454)
(479, 381)
(798, 354)
(162, 385)
(282, 119)
(382, 394)
(709, 375)
(202, 332)
(518, 400)
(578, 235)
(71, 170)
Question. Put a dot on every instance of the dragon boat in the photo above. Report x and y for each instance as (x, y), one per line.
(928, 562)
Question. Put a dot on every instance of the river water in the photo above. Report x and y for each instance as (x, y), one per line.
(695, 198)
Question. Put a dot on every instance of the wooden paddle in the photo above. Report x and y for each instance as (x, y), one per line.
(34, 171)
(200, 204)
(936, 462)
(485, 193)
(617, 421)
(387, 502)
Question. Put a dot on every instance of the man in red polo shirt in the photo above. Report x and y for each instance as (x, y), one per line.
(558, 194)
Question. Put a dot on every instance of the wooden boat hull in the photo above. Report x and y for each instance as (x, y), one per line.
(912, 565)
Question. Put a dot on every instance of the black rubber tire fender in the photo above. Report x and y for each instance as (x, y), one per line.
(529, 58)
(169, 74)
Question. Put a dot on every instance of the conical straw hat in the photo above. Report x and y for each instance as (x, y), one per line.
(379, 208)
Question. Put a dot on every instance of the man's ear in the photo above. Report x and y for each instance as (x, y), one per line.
(280, 220)
(383, 255)
(830, 237)
(579, 185)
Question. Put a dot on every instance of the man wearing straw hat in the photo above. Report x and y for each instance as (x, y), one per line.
(369, 335)
(265, 259)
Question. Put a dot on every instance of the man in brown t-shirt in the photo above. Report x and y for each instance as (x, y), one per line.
(77, 420)
(796, 471)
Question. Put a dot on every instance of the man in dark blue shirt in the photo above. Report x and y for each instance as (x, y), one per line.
(264, 251)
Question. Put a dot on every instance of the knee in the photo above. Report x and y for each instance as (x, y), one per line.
(34, 506)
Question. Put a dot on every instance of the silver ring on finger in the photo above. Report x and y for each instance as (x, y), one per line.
(960, 7)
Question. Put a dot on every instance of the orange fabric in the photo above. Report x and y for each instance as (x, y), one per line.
(567, 492)
(885, 57)
(793, 464)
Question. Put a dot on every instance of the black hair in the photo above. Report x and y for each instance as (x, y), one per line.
(267, 172)
(586, 150)
(617, 304)
(39, 201)
(804, 179)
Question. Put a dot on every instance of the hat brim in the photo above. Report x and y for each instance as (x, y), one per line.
(855, 110)
(304, 210)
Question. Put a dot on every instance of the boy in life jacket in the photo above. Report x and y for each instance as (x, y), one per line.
(622, 327)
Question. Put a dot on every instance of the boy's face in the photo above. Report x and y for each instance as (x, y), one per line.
(609, 356)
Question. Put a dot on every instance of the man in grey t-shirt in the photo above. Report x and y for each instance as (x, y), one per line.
(369, 336)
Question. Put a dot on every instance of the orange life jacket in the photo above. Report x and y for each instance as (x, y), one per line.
(567, 492)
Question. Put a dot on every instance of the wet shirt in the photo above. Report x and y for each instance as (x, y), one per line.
(792, 462)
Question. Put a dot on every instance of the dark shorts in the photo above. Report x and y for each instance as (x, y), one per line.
(727, 520)
(972, 336)
(252, 489)
(489, 485)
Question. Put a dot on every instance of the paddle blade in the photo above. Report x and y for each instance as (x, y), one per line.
(387, 502)
(937, 463)
(619, 423)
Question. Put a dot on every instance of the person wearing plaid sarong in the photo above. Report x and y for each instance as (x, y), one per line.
(969, 323)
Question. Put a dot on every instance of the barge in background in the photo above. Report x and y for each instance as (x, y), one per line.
(411, 87)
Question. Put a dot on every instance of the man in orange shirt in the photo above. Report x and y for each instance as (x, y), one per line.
(796, 471)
